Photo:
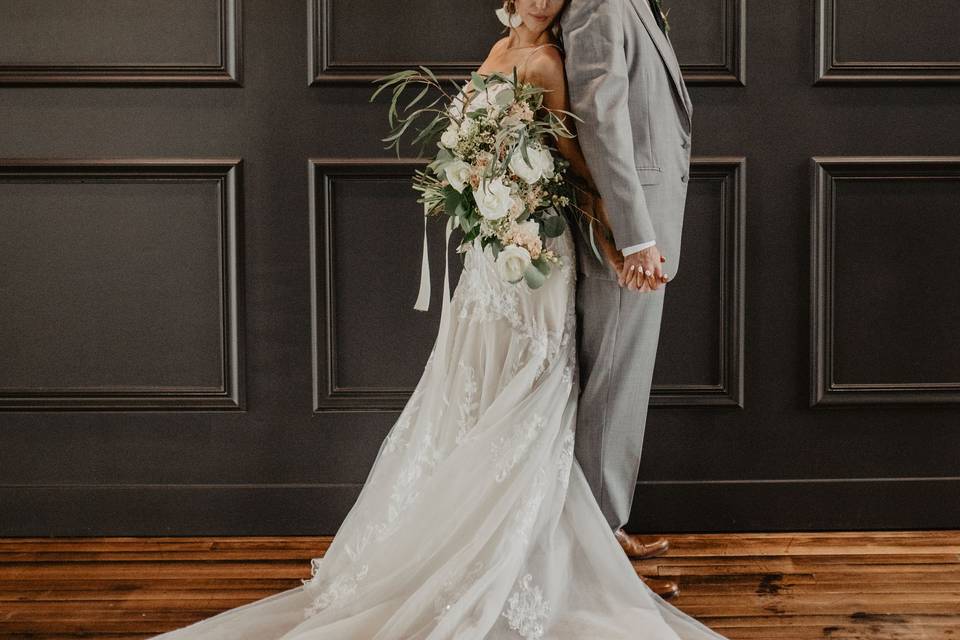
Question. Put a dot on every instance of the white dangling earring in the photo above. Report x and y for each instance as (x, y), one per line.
(509, 19)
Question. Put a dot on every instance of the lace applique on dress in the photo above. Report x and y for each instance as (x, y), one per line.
(570, 374)
(344, 585)
(397, 438)
(417, 464)
(510, 449)
(565, 461)
(468, 405)
(525, 517)
(527, 610)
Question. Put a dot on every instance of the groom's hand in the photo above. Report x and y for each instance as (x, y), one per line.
(642, 270)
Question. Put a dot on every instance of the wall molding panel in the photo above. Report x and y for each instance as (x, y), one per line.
(330, 394)
(832, 66)
(323, 68)
(728, 65)
(730, 174)
(207, 385)
(906, 175)
(226, 70)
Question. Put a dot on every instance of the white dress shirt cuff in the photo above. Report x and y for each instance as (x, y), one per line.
(637, 247)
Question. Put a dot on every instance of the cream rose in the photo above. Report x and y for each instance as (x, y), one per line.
(540, 165)
(458, 174)
(512, 262)
(451, 136)
(529, 173)
(493, 198)
(466, 126)
(544, 161)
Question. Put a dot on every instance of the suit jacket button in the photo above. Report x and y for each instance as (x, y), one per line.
(683, 178)
(684, 144)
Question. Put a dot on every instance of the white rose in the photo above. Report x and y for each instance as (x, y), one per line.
(541, 164)
(512, 262)
(493, 198)
(451, 136)
(466, 126)
(529, 173)
(458, 174)
(544, 161)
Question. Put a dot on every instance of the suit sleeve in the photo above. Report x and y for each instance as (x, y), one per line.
(597, 82)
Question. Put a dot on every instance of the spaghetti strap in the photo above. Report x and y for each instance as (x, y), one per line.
(535, 49)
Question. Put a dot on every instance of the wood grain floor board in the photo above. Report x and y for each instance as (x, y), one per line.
(883, 585)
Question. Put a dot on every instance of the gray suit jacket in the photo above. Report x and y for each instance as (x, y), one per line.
(625, 83)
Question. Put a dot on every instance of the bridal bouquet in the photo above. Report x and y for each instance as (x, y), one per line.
(494, 176)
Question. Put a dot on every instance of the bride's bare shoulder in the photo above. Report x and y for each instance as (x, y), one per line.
(545, 68)
(498, 46)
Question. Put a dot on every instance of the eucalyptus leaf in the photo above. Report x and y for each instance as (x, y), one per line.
(478, 81)
(451, 200)
(504, 98)
(534, 276)
(553, 226)
(593, 243)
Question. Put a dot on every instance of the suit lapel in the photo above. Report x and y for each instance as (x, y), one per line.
(664, 46)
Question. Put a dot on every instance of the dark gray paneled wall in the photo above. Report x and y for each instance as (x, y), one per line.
(208, 264)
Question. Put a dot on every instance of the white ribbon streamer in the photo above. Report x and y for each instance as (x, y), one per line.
(423, 298)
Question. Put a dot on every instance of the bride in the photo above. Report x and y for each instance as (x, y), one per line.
(476, 521)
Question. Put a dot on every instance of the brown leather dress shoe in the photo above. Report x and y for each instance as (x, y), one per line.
(635, 547)
(666, 589)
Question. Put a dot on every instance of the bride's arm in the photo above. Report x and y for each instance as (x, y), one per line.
(546, 71)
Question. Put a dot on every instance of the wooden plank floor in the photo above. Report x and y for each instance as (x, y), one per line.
(870, 586)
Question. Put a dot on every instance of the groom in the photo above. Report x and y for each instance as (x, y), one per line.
(625, 83)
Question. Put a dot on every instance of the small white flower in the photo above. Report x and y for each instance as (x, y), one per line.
(530, 229)
(512, 262)
(493, 198)
(458, 174)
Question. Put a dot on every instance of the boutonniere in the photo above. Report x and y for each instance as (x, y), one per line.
(666, 25)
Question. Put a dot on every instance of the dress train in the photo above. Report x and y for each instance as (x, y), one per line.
(476, 521)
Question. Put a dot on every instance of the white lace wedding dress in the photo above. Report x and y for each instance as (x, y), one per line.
(476, 521)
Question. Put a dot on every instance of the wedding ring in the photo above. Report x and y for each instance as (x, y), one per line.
(648, 273)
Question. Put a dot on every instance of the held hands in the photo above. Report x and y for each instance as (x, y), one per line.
(640, 271)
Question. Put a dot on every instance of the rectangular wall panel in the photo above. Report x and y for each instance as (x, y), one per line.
(120, 41)
(370, 344)
(887, 41)
(884, 311)
(121, 284)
